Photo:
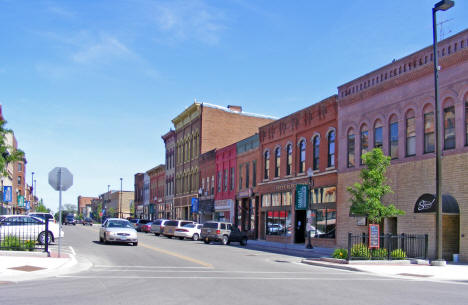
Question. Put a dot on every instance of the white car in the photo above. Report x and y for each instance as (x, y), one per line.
(191, 230)
(27, 227)
(118, 230)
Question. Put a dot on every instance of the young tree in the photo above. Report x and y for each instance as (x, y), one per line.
(366, 197)
(8, 153)
(41, 207)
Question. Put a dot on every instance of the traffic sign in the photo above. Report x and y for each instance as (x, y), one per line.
(60, 176)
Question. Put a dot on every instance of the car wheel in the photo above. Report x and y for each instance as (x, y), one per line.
(135, 244)
(181, 238)
(243, 242)
(225, 240)
(206, 241)
(195, 236)
(170, 237)
(42, 236)
(100, 239)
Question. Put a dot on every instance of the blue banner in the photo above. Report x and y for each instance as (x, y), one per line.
(194, 205)
(7, 190)
(28, 205)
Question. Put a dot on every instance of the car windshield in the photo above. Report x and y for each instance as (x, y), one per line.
(133, 220)
(172, 223)
(119, 224)
(190, 225)
(212, 225)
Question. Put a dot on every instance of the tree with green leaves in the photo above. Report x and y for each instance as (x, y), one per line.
(366, 197)
(8, 154)
(41, 207)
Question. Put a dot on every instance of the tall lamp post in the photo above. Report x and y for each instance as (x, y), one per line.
(32, 182)
(310, 174)
(439, 6)
(120, 199)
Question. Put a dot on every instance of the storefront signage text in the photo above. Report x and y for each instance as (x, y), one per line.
(425, 204)
(302, 191)
(374, 233)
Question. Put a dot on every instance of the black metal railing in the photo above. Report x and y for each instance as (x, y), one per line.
(391, 247)
(18, 234)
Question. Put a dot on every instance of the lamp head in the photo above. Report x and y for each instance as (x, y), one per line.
(444, 5)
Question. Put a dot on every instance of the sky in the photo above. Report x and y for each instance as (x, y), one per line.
(92, 85)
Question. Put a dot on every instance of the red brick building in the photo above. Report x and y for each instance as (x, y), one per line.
(225, 194)
(169, 142)
(207, 162)
(138, 194)
(84, 205)
(157, 177)
(247, 199)
(297, 151)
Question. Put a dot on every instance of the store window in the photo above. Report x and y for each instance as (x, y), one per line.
(316, 152)
(351, 143)
(277, 161)
(378, 134)
(449, 127)
(278, 223)
(266, 159)
(289, 161)
(393, 137)
(323, 204)
(410, 134)
(266, 200)
(302, 156)
(429, 132)
(364, 142)
(331, 149)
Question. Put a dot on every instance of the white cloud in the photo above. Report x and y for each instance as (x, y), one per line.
(60, 11)
(186, 20)
(104, 49)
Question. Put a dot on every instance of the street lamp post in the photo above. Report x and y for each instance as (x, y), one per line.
(310, 174)
(440, 6)
(120, 199)
(32, 182)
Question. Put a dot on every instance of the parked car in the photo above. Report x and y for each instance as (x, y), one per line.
(190, 230)
(146, 227)
(118, 230)
(87, 221)
(43, 216)
(70, 220)
(139, 223)
(27, 227)
(224, 232)
(158, 226)
(172, 225)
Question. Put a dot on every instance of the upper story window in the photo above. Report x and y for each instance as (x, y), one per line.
(19, 180)
(378, 134)
(364, 142)
(20, 167)
(254, 173)
(240, 177)
(289, 159)
(410, 133)
(429, 131)
(219, 181)
(449, 127)
(212, 185)
(266, 158)
(466, 120)
(225, 180)
(277, 161)
(302, 156)
(393, 137)
(231, 180)
(316, 152)
(351, 148)
(331, 149)
(247, 175)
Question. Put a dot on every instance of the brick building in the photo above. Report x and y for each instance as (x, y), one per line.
(207, 163)
(84, 205)
(225, 194)
(169, 142)
(201, 128)
(247, 200)
(297, 152)
(393, 108)
(138, 193)
(157, 176)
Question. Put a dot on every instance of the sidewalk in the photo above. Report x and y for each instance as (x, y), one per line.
(422, 270)
(289, 249)
(17, 266)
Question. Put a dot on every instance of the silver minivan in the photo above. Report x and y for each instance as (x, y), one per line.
(172, 225)
(158, 226)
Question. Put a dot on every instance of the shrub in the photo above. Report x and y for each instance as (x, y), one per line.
(381, 253)
(340, 253)
(29, 245)
(11, 243)
(398, 254)
(360, 251)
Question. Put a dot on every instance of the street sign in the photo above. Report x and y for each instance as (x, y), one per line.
(374, 234)
(63, 174)
(302, 191)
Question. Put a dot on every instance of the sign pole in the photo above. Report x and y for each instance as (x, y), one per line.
(60, 210)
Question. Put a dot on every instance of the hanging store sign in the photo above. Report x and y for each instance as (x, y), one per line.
(7, 190)
(374, 234)
(427, 203)
(302, 198)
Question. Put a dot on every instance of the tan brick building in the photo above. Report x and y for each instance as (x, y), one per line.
(393, 108)
(201, 128)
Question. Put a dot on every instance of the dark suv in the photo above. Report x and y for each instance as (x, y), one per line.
(224, 232)
(87, 221)
(70, 220)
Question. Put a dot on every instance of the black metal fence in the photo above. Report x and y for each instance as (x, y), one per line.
(24, 234)
(392, 247)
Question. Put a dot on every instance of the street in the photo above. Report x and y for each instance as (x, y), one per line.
(170, 271)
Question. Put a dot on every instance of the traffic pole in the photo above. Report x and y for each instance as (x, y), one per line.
(60, 211)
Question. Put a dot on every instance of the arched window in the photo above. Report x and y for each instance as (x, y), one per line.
(429, 130)
(378, 134)
(449, 127)
(316, 152)
(351, 145)
(410, 133)
(277, 161)
(331, 149)
(289, 161)
(364, 141)
(393, 137)
(302, 156)
(466, 120)
(266, 161)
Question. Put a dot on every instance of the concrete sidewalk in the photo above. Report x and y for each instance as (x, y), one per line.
(17, 266)
(289, 249)
(450, 272)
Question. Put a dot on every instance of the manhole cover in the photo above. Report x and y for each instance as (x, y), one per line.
(417, 275)
(281, 261)
(5, 283)
(27, 268)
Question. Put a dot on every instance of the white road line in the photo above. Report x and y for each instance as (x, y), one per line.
(214, 271)
(151, 267)
(73, 251)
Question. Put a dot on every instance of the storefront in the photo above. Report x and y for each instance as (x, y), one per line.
(224, 210)
(206, 210)
(247, 213)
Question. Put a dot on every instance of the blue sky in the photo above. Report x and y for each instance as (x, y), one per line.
(92, 85)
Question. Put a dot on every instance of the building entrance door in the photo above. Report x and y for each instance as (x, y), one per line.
(300, 224)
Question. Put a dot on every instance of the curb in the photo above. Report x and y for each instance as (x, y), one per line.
(330, 265)
(23, 253)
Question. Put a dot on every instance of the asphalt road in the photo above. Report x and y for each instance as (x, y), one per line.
(170, 271)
